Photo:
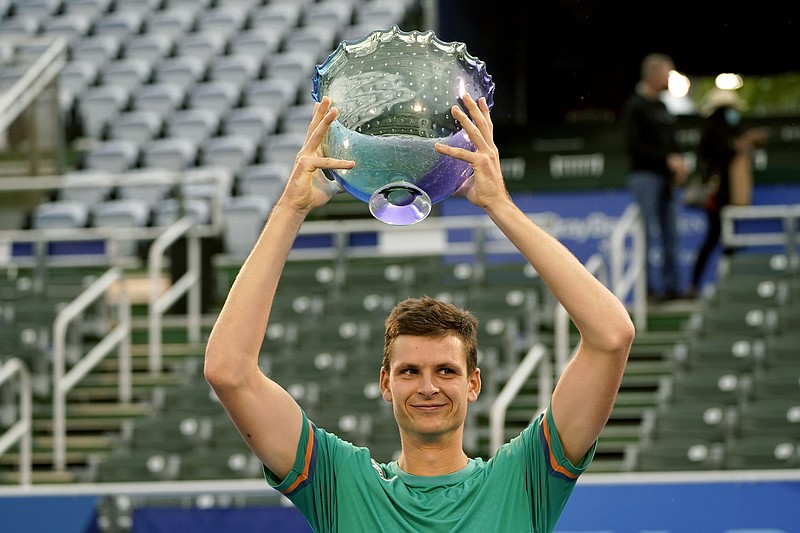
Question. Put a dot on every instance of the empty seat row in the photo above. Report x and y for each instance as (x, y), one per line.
(98, 106)
(232, 152)
(687, 454)
(237, 237)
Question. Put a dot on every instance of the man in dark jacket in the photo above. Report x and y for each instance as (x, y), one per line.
(656, 168)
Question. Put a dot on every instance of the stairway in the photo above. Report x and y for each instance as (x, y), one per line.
(647, 364)
(95, 417)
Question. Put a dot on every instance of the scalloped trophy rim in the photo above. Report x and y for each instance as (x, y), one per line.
(347, 48)
(402, 201)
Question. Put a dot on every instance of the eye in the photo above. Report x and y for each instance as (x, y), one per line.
(447, 371)
(408, 371)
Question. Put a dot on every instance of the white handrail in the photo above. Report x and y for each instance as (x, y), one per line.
(189, 283)
(119, 336)
(596, 265)
(43, 71)
(789, 216)
(535, 358)
(630, 281)
(21, 429)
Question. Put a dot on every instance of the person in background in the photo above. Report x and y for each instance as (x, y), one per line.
(725, 158)
(656, 170)
(429, 375)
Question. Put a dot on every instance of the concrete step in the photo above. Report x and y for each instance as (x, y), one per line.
(38, 476)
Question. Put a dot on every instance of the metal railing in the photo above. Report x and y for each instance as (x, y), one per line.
(735, 234)
(536, 358)
(188, 284)
(628, 259)
(596, 265)
(622, 281)
(20, 431)
(118, 337)
(43, 71)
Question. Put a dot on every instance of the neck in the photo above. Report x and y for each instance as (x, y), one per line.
(432, 459)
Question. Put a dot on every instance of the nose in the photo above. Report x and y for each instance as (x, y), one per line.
(427, 386)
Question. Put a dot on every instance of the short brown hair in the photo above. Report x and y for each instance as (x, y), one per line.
(429, 317)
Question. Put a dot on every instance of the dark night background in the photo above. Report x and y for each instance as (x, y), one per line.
(550, 57)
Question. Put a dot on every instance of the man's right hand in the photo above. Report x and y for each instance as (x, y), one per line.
(307, 187)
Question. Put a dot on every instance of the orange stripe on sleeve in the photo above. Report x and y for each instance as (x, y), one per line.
(553, 463)
(303, 476)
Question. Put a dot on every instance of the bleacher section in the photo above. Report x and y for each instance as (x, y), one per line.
(186, 85)
(188, 107)
(733, 401)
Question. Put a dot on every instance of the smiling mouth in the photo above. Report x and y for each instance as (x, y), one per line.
(429, 407)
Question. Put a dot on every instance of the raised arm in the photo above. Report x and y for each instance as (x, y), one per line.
(265, 414)
(586, 391)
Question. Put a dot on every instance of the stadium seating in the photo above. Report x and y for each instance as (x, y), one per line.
(676, 454)
(263, 180)
(197, 124)
(255, 123)
(115, 155)
(148, 185)
(160, 97)
(171, 153)
(60, 214)
(86, 186)
(232, 151)
(244, 218)
(99, 105)
(762, 451)
(138, 127)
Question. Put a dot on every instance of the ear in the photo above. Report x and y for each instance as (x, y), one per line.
(474, 385)
(386, 391)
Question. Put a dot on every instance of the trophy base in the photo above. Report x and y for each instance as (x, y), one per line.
(400, 204)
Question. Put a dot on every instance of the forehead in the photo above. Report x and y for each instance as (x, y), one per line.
(412, 349)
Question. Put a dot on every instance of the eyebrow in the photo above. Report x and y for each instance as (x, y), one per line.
(414, 366)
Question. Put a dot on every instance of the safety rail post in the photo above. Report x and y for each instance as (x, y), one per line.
(22, 428)
(189, 283)
(630, 281)
(535, 358)
(118, 336)
(789, 215)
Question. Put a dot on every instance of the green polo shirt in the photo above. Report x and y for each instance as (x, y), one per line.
(339, 488)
